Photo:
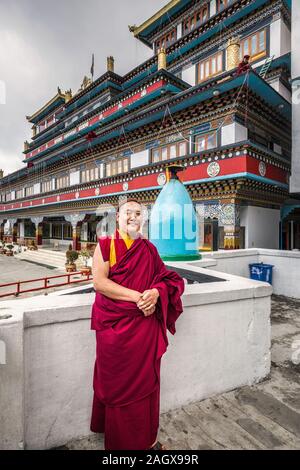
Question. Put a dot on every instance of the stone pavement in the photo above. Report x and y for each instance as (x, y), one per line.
(13, 269)
(263, 416)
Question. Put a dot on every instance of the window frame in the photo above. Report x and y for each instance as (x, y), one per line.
(162, 40)
(168, 147)
(194, 17)
(209, 61)
(259, 54)
(206, 137)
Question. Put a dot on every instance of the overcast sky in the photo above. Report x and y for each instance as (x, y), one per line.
(45, 44)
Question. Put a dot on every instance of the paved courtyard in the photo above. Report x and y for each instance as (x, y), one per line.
(264, 416)
(13, 269)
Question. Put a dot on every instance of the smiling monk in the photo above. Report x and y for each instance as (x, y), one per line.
(137, 300)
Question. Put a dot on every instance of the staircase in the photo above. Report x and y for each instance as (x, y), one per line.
(42, 256)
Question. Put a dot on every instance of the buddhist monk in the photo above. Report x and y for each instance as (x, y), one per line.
(137, 300)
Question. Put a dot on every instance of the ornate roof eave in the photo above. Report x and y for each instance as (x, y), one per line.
(59, 98)
(198, 94)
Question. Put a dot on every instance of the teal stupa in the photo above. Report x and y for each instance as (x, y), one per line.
(173, 221)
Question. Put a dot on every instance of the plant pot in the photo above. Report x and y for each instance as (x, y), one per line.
(9, 253)
(2, 251)
(85, 270)
(70, 267)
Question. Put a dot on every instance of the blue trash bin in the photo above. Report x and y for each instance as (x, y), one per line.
(261, 272)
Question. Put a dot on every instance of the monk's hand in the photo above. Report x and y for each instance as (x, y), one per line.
(148, 300)
(149, 312)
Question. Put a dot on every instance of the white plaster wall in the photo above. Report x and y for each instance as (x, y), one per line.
(282, 90)
(222, 342)
(179, 30)
(37, 188)
(74, 177)
(261, 227)
(280, 38)
(139, 159)
(22, 228)
(295, 176)
(13, 195)
(232, 133)
(286, 271)
(295, 38)
(189, 75)
(213, 7)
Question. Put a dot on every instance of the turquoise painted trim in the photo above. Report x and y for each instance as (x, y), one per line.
(216, 29)
(239, 175)
(286, 210)
(48, 110)
(186, 183)
(90, 95)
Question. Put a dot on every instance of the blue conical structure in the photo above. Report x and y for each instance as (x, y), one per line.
(173, 221)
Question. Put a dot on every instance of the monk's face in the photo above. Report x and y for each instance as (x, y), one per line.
(130, 217)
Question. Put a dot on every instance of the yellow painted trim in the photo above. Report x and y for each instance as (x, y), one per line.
(155, 17)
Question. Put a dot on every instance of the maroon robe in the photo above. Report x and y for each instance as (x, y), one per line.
(130, 346)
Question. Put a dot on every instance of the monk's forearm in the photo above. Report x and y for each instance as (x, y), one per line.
(114, 291)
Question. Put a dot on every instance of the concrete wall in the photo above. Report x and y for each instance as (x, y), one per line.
(282, 89)
(222, 342)
(189, 75)
(280, 38)
(295, 177)
(232, 133)
(261, 226)
(139, 159)
(286, 271)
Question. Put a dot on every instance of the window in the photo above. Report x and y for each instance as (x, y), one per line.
(205, 142)
(222, 4)
(195, 20)
(116, 167)
(210, 67)
(254, 45)
(19, 193)
(46, 186)
(62, 182)
(8, 197)
(29, 191)
(166, 40)
(57, 231)
(67, 232)
(178, 149)
(91, 174)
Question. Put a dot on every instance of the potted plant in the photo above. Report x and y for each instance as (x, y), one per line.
(32, 245)
(9, 251)
(71, 256)
(2, 249)
(85, 255)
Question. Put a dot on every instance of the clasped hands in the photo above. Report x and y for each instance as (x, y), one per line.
(147, 301)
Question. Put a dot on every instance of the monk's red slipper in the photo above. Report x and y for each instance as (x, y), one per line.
(158, 446)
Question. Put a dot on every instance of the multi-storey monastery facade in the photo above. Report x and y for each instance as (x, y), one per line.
(186, 105)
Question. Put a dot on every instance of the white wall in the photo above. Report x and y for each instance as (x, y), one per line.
(232, 133)
(281, 89)
(286, 271)
(222, 342)
(295, 176)
(139, 159)
(37, 188)
(213, 7)
(74, 177)
(280, 38)
(189, 75)
(261, 227)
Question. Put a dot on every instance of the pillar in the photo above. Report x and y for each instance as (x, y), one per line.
(15, 232)
(22, 232)
(230, 219)
(2, 223)
(233, 53)
(76, 222)
(162, 59)
(38, 222)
